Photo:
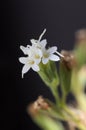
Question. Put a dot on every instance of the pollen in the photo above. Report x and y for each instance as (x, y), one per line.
(31, 62)
(37, 56)
(46, 55)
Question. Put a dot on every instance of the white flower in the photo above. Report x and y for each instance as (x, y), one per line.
(33, 52)
(37, 53)
(39, 43)
(28, 63)
(48, 54)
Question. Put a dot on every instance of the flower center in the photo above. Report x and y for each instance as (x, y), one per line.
(37, 56)
(46, 55)
(31, 62)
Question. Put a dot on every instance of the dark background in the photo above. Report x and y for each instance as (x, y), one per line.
(21, 21)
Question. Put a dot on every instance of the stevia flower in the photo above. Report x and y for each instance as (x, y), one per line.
(48, 54)
(36, 53)
(28, 63)
(33, 52)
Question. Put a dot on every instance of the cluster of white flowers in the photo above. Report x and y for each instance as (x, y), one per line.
(36, 53)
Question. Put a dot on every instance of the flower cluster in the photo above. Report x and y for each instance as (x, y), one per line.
(36, 53)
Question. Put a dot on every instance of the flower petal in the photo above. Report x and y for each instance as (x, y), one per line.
(33, 41)
(25, 69)
(54, 57)
(45, 60)
(35, 67)
(37, 61)
(23, 60)
(25, 50)
(43, 43)
(52, 49)
(37, 51)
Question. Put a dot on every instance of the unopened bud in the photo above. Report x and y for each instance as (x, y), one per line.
(68, 59)
(39, 104)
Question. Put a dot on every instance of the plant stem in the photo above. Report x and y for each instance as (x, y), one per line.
(56, 96)
(75, 118)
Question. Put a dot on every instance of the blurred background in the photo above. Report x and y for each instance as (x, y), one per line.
(21, 21)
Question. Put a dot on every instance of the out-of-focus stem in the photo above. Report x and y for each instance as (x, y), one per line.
(56, 96)
(81, 99)
(76, 117)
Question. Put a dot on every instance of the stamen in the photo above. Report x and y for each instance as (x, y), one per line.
(31, 62)
(42, 35)
(37, 56)
(59, 54)
(46, 55)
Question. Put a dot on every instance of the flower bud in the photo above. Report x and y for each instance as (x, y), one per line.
(69, 59)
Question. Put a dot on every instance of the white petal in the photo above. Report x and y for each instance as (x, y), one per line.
(45, 60)
(39, 52)
(37, 61)
(25, 50)
(23, 60)
(54, 57)
(35, 52)
(52, 49)
(43, 43)
(25, 69)
(33, 41)
(35, 67)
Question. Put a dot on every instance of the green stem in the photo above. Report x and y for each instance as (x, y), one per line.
(56, 96)
(63, 100)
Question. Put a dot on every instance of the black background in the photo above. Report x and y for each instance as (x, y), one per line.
(21, 21)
